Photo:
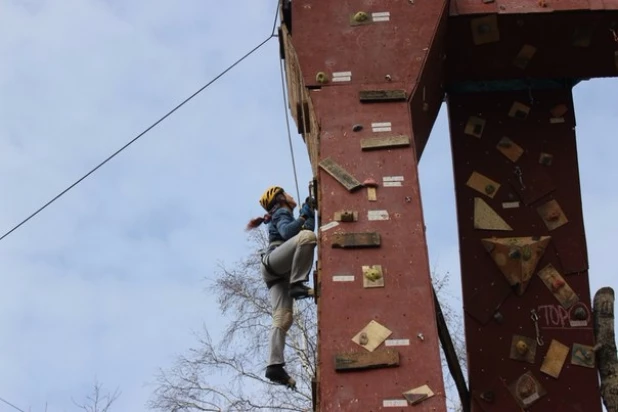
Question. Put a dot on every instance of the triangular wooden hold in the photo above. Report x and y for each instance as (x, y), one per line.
(517, 257)
(487, 218)
(417, 395)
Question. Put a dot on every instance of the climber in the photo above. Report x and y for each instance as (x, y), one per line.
(286, 264)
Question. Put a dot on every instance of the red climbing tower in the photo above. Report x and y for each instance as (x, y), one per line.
(366, 80)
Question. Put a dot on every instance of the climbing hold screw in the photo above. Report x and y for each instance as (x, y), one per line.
(498, 317)
(489, 189)
(321, 77)
(363, 339)
(514, 253)
(522, 347)
(361, 16)
(580, 314)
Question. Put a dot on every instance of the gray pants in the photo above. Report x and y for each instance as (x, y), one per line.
(289, 263)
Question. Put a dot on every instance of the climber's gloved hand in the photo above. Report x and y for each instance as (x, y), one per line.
(307, 212)
(309, 224)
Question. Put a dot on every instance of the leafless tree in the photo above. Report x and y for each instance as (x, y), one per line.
(229, 375)
(97, 401)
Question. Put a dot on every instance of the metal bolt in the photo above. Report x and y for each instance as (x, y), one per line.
(388, 77)
(421, 336)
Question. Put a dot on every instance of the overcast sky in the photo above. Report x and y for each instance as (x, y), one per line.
(109, 281)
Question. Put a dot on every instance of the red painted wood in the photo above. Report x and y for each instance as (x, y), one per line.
(462, 7)
(406, 53)
(550, 33)
(325, 40)
(488, 344)
(405, 304)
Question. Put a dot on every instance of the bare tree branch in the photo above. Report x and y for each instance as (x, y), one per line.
(229, 375)
(97, 401)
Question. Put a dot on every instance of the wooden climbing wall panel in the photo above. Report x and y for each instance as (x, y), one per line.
(540, 265)
(534, 47)
(372, 73)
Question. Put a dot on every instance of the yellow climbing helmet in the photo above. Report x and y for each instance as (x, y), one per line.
(269, 196)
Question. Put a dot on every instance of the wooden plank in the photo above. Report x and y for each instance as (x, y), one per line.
(583, 355)
(552, 215)
(346, 216)
(355, 240)
(487, 218)
(519, 110)
(475, 126)
(555, 358)
(375, 143)
(382, 95)
(372, 336)
(483, 184)
(558, 286)
(527, 390)
(524, 56)
(517, 257)
(485, 30)
(340, 174)
(388, 358)
(523, 348)
(373, 276)
(510, 149)
(417, 395)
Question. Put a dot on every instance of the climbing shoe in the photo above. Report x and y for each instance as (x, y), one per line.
(278, 375)
(300, 291)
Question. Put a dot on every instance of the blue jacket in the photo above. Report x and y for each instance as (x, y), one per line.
(284, 226)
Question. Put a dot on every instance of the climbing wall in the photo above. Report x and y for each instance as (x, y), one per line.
(365, 85)
(523, 252)
(511, 67)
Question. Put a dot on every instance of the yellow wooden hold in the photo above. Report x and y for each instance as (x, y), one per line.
(510, 149)
(517, 257)
(485, 30)
(554, 359)
(418, 395)
(475, 126)
(361, 16)
(552, 215)
(321, 78)
(583, 355)
(527, 390)
(483, 184)
(523, 348)
(373, 276)
(524, 56)
(487, 218)
(373, 336)
(558, 286)
(519, 110)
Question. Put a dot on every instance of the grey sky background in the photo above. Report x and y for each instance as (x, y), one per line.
(109, 281)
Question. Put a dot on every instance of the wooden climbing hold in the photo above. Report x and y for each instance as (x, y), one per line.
(355, 240)
(554, 359)
(366, 360)
(382, 95)
(340, 174)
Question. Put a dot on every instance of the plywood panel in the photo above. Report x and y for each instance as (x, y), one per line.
(561, 300)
